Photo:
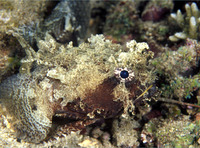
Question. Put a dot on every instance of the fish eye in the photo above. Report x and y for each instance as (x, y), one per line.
(124, 74)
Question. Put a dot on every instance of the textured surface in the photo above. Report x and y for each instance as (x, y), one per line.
(69, 20)
(21, 93)
(73, 83)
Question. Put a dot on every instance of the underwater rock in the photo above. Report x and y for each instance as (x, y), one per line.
(124, 133)
(10, 54)
(181, 70)
(154, 14)
(172, 132)
(62, 88)
(176, 133)
(68, 21)
(121, 19)
(156, 10)
(127, 20)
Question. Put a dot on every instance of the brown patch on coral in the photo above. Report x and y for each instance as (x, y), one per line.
(155, 13)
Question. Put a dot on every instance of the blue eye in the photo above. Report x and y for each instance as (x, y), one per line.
(124, 74)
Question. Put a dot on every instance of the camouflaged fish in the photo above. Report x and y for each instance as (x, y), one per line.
(61, 88)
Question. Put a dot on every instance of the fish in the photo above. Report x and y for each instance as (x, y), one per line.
(64, 88)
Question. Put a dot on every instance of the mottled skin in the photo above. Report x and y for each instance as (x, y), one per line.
(98, 104)
(35, 125)
(64, 88)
